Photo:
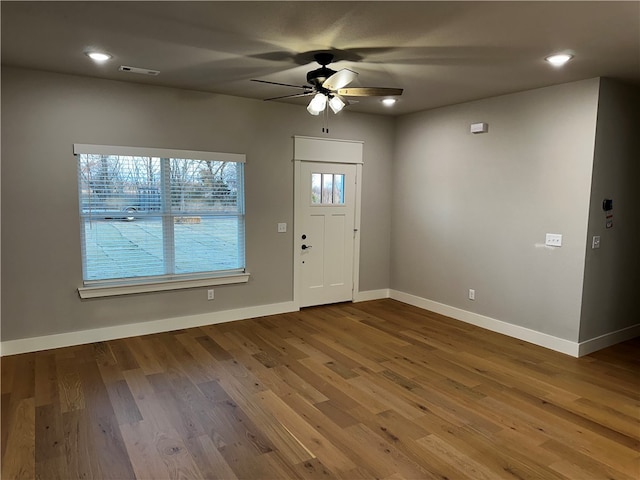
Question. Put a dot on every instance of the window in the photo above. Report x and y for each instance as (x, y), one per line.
(327, 188)
(151, 216)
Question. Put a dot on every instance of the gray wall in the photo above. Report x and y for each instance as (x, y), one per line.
(443, 210)
(44, 114)
(472, 211)
(612, 272)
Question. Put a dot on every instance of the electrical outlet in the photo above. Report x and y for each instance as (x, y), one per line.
(472, 294)
(553, 240)
(595, 243)
(210, 294)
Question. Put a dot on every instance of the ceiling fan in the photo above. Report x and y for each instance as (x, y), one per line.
(328, 87)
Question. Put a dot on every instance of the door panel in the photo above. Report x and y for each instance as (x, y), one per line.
(336, 245)
(326, 240)
(312, 257)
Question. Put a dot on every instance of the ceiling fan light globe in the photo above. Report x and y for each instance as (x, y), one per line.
(312, 111)
(336, 104)
(317, 104)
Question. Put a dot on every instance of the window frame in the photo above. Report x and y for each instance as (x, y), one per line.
(134, 285)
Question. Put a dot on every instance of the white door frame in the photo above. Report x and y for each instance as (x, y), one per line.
(326, 150)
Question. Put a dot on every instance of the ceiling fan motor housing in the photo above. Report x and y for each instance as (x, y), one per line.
(318, 76)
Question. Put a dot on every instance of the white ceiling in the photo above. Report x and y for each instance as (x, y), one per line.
(441, 53)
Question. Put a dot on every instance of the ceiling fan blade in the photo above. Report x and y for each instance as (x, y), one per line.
(369, 92)
(305, 87)
(340, 79)
(305, 94)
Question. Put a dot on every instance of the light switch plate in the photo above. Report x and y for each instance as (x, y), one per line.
(282, 228)
(595, 243)
(553, 240)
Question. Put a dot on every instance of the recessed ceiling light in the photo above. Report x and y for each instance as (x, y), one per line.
(389, 101)
(559, 59)
(99, 56)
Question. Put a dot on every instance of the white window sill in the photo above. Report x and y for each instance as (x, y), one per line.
(113, 290)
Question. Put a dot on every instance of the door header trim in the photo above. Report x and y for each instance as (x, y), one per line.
(311, 149)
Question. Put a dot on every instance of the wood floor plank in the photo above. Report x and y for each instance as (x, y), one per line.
(337, 415)
(169, 447)
(5, 403)
(350, 391)
(282, 440)
(122, 402)
(82, 462)
(466, 466)
(210, 462)
(269, 341)
(365, 399)
(19, 460)
(142, 350)
(105, 436)
(46, 386)
(214, 349)
(577, 438)
(404, 435)
(50, 454)
(315, 443)
(586, 461)
(383, 457)
(146, 460)
(7, 371)
(70, 387)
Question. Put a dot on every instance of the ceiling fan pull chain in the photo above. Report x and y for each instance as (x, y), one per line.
(324, 120)
(327, 114)
(325, 128)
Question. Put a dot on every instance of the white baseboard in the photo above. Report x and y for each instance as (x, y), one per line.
(608, 339)
(371, 295)
(34, 344)
(532, 336)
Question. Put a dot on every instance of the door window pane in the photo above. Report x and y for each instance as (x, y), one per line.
(316, 188)
(338, 189)
(327, 189)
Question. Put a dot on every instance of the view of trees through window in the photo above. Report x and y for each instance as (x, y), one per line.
(147, 216)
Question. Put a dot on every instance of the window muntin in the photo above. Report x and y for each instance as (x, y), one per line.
(146, 217)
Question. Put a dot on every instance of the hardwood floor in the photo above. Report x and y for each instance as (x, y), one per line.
(369, 390)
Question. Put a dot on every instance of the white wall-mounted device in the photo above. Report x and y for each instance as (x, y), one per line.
(479, 127)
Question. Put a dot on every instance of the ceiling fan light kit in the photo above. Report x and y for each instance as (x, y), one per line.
(327, 87)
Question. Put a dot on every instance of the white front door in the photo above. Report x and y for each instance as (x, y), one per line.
(325, 236)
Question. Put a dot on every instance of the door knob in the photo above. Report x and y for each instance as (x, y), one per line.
(304, 247)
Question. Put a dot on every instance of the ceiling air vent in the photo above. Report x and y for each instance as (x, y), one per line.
(142, 71)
